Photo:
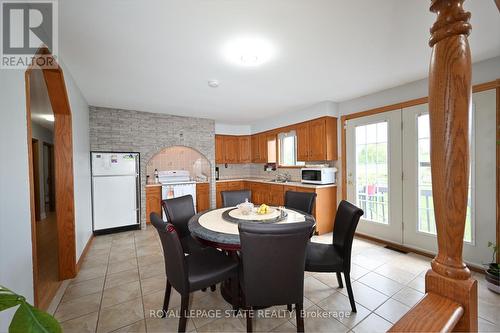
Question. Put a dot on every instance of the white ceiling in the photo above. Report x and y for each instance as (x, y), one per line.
(158, 55)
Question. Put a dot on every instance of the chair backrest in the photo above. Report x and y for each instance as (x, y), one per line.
(233, 198)
(346, 221)
(273, 260)
(179, 211)
(303, 201)
(175, 264)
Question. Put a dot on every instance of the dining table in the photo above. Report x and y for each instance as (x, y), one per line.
(218, 228)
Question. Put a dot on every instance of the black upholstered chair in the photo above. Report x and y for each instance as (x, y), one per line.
(303, 201)
(233, 198)
(193, 272)
(336, 257)
(179, 211)
(273, 260)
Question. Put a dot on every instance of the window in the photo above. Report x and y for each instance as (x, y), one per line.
(288, 149)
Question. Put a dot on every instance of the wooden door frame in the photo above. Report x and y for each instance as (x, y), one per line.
(35, 164)
(63, 165)
(476, 88)
(52, 198)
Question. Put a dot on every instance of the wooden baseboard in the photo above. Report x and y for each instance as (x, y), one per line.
(404, 248)
(84, 253)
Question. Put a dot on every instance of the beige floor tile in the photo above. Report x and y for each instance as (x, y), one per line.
(90, 273)
(316, 290)
(153, 284)
(418, 283)
(78, 307)
(84, 288)
(340, 304)
(367, 263)
(330, 279)
(121, 255)
(381, 283)
(138, 327)
(487, 326)
(115, 279)
(169, 324)
(319, 320)
(120, 315)
(121, 293)
(95, 261)
(152, 270)
(268, 319)
(83, 324)
(373, 324)
(156, 259)
(366, 296)
(408, 296)
(357, 271)
(287, 327)
(149, 251)
(392, 310)
(123, 265)
(394, 272)
(223, 325)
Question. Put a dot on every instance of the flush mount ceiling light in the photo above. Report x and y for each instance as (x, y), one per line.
(48, 117)
(213, 83)
(248, 51)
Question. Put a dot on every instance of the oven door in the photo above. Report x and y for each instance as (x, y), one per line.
(311, 176)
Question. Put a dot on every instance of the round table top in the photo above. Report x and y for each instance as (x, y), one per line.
(211, 227)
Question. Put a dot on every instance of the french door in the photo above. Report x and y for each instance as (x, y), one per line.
(395, 190)
(374, 173)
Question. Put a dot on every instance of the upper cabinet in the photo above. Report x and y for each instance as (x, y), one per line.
(316, 141)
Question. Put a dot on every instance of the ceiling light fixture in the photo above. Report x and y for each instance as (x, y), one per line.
(48, 117)
(248, 51)
(213, 83)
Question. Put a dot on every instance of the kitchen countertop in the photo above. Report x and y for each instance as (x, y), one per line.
(159, 184)
(268, 181)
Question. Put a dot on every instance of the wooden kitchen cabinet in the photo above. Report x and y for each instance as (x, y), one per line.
(276, 196)
(219, 149)
(254, 140)
(271, 151)
(302, 132)
(231, 149)
(245, 149)
(219, 187)
(317, 144)
(153, 201)
(262, 148)
(260, 193)
(202, 197)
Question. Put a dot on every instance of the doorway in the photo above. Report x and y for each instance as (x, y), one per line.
(389, 177)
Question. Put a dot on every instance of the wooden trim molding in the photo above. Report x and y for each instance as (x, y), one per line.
(498, 162)
(63, 164)
(84, 253)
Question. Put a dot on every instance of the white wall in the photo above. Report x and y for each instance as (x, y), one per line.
(81, 162)
(16, 268)
(230, 129)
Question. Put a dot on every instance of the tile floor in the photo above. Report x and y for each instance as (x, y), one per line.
(122, 282)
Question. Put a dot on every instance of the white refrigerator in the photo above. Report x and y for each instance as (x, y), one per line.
(115, 190)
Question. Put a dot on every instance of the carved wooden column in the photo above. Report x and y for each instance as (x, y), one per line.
(449, 106)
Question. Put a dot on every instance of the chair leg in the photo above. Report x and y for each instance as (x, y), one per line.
(235, 294)
(289, 307)
(349, 291)
(166, 300)
(184, 310)
(213, 287)
(339, 279)
(203, 289)
(299, 315)
(249, 320)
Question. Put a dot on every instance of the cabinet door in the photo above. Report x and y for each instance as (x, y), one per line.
(317, 136)
(202, 197)
(153, 201)
(245, 149)
(219, 149)
(219, 187)
(302, 131)
(255, 148)
(231, 148)
(262, 148)
(271, 148)
(276, 195)
(234, 186)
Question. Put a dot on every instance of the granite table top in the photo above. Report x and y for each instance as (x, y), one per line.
(212, 227)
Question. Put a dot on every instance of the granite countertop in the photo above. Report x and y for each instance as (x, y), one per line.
(153, 185)
(268, 181)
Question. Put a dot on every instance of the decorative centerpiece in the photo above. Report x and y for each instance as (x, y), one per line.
(245, 207)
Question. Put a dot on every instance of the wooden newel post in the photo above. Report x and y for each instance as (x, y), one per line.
(449, 106)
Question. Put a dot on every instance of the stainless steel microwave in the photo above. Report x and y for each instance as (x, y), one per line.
(319, 176)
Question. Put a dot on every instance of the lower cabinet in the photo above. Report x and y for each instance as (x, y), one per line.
(202, 197)
(153, 201)
(324, 210)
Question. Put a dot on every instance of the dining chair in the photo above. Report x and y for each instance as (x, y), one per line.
(193, 272)
(303, 201)
(272, 264)
(233, 198)
(179, 211)
(336, 257)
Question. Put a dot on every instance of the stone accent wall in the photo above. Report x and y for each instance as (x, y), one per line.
(148, 133)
